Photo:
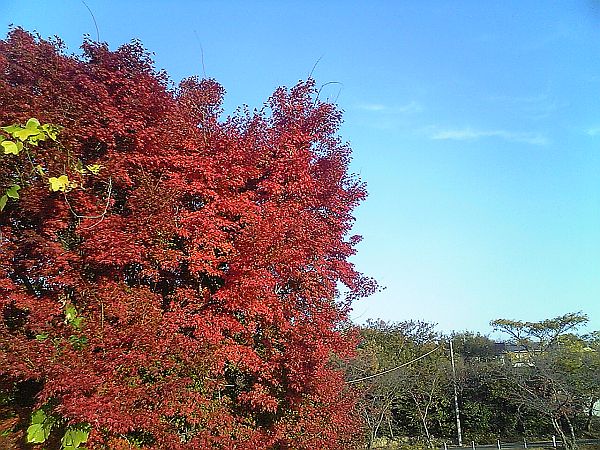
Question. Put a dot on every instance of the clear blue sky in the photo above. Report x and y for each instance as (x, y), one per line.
(475, 124)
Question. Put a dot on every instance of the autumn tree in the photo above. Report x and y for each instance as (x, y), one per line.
(167, 278)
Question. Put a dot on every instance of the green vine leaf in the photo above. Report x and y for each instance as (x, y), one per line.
(51, 130)
(3, 201)
(59, 184)
(70, 313)
(75, 436)
(11, 147)
(94, 168)
(41, 425)
(41, 337)
(32, 123)
(10, 129)
(12, 191)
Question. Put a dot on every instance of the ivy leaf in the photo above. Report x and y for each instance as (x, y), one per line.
(11, 147)
(59, 184)
(40, 427)
(24, 133)
(74, 437)
(37, 433)
(11, 128)
(94, 168)
(31, 132)
(38, 416)
(12, 191)
(3, 201)
(79, 167)
(70, 313)
(32, 123)
(51, 130)
(41, 337)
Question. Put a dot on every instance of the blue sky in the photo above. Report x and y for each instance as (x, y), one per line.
(476, 126)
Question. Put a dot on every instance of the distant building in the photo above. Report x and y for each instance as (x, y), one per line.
(515, 354)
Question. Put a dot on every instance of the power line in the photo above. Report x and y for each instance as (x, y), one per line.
(393, 368)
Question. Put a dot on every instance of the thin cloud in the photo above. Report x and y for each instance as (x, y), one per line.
(409, 108)
(534, 107)
(373, 107)
(594, 131)
(469, 134)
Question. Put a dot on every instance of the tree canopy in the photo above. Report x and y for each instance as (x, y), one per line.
(169, 278)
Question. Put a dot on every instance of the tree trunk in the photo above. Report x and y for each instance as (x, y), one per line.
(568, 442)
(588, 421)
(572, 432)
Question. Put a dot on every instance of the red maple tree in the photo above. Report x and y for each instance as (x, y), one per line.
(181, 290)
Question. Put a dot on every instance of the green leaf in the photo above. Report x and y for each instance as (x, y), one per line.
(33, 140)
(38, 416)
(75, 436)
(3, 201)
(59, 184)
(10, 147)
(79, 167)
(41, 337)
(12, 191)
(51, 130)
(70, 313)
(25, 133)
(37, 433)
(40, 427)
(32, 123)
(94, 168)
(11, 128)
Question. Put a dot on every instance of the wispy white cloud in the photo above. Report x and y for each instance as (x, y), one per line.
(408, 108)
(470, 134)
(533, 107)
(593, 131)
(372, 107)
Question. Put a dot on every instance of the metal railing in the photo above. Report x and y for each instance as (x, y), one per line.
(554, 443)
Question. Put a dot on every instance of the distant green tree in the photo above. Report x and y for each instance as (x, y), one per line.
(557, 381)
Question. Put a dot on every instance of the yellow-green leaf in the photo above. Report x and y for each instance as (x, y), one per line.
(3, 201)
(79, 167)
(11, 128)
(51, 130)
(26, 133)
(32, 123)
(94, 168)
(10, 147)
(59, 184)
(12, 191)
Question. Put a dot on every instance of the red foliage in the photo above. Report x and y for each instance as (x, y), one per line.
(208, 287)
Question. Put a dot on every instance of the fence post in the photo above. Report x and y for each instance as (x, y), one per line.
(499, 445)
(524, 442)
(553, 441)
(445, 446)
(473, 444)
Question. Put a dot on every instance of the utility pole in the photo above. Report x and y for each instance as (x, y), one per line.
(458, 429)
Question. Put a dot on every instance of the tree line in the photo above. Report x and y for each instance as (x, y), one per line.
(542, 379)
